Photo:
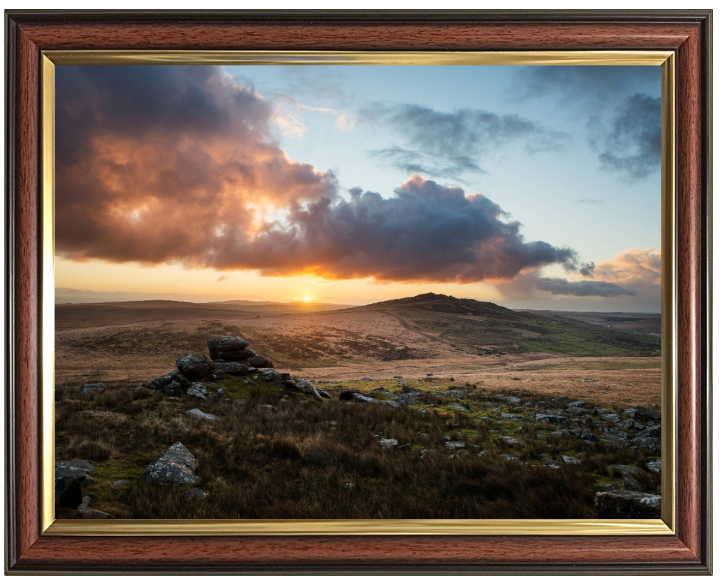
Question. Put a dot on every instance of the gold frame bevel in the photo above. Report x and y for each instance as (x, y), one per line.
(551, 527)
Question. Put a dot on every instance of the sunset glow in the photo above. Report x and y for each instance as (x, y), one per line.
(208, 183)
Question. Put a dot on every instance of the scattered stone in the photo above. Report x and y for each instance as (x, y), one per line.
(197, 413)
(570, 460)
(83, 465)
(405, 447)
(92, 388)
(627, 504)
(175, 466)
(647, 413)
(650, 432)
(460, 408)
(198, 390)
(455, 445)
(510, 441)
(576, 404)
(307, 387)
(628, 424)
(388, 442)
(266, 406)
(508, 456)
(625, 469)
(161, 381)
(68, 493)
(85, 504)
(349, 485)
(632, 484)
(586, 435)
(195, 493)
(348, 396)
(173, 389)
(324, 394)
(608, 487)
(220, 393)
(655, 466)
(194, 365)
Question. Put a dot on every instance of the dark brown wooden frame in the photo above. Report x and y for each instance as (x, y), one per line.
(687, 33)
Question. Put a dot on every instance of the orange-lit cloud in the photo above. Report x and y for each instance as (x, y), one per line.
(178, 165)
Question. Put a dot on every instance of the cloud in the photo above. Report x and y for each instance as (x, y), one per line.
(581, 288)
(582, 86)
(178, 165)
(629, 143)
(447, 144)
(167, 164)
(634, 272)
(591, 201)
(425, 232)
(286, 117)
(222, 278)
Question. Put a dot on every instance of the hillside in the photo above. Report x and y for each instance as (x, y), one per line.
(636, 323)
(486, 328)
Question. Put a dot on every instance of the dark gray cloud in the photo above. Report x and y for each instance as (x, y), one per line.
(424, 232)
(561, 286)
(526, 285)
(580, 86)
(587, 270)
(629, 143)
(449, 144)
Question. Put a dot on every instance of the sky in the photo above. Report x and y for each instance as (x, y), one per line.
(534, 187)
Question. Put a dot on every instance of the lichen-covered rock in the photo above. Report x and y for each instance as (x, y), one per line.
(260, 362)
(175, 466)
(233, 355)
(83, 465)
(173, 389)
(324, 394)
(307, 387)
(223, 344)
(348, 396)
(161, 381)
(194, 365)
(68, 493)
(388, 442)
(92, 388)
(230, 367)
(198, 390)
(197, 413)
(646, 413)
(627, 504)
(655, 466)
(221, 393)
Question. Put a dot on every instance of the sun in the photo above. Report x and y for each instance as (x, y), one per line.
(307, 299)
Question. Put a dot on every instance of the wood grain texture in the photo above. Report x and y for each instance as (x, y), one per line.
(686, 33)
(26, 303)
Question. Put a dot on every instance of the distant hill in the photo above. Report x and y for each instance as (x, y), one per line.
(483, 327)
(634, 322)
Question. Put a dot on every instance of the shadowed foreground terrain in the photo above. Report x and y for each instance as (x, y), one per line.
(346, 426)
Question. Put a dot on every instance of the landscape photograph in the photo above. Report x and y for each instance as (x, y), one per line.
(299, 292)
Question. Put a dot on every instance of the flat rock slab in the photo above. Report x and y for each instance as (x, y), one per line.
(175, 466)
(83, 465)
(197, 413)
(198, 390)
(627, 504)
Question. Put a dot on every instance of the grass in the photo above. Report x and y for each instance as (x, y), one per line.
(290, 463)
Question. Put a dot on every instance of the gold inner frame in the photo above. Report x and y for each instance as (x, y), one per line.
(663, 526)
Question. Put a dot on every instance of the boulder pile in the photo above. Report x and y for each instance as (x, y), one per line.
(228, 355)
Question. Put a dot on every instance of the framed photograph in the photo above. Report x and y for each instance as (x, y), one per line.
(358, 291)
